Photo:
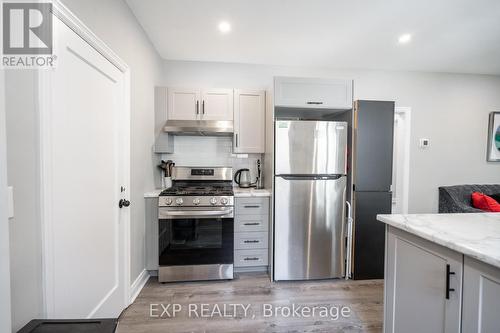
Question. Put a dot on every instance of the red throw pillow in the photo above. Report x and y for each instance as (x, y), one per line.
(484, 202)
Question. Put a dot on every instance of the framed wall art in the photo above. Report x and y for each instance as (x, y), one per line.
(494, 137)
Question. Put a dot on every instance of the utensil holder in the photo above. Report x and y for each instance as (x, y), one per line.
(167, 182)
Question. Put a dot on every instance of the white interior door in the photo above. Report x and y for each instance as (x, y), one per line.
(85, 144)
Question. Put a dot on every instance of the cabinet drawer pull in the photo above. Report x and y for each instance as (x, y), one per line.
(314, 103)
(251, 259)
(251, 206)
(252, 223)
(448, 289)
(251, 241)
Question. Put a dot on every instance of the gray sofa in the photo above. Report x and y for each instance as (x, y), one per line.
(457, 199)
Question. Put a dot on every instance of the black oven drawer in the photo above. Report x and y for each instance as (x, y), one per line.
(196, 241)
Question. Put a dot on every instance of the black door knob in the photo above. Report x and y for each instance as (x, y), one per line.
(123, 203)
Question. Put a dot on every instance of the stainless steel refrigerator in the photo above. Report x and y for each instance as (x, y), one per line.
(309, 199)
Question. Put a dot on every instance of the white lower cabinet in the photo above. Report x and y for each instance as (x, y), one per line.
(251, 233)
(250, 258)
(251, 240)
(151, 233)
(481, 301)
(430, 288)
(423, 285)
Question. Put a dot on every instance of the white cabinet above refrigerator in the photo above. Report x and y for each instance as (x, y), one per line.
(314, 93)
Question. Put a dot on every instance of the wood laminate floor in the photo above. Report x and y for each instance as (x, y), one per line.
(364, 299)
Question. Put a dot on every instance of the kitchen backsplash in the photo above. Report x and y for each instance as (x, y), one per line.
(210, 151)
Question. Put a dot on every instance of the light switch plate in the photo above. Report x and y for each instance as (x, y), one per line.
(10, 201)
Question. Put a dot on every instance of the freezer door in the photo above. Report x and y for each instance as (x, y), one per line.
(310, 147)
(369, 234)
(309, 228)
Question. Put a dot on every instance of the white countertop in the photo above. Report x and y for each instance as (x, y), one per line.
(474, 235)
(238, 192)
(153, 194)
(251, 192)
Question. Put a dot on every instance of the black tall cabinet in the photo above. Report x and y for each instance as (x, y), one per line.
(372, 136)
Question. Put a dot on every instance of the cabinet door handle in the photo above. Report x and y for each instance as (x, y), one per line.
(251, 206)
(236, 139)
(314, 103)
(252, 223)
(203, 107)
(251, 259)
(448, 289)
(197, 107)
(250, 241)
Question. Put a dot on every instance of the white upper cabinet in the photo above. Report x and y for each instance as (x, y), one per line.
(217, 104)
(249, 121)
(183, 104)
(313, 93)
(196, 104)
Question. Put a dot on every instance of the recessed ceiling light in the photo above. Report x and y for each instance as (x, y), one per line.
(404, 39)
(224, 27)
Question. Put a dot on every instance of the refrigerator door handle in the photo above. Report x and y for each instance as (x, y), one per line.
(349, 241)
(309, 177)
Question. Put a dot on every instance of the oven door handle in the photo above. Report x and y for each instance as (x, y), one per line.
(196, 213)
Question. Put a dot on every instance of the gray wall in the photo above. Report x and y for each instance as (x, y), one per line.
(114, 23)
(449, 109)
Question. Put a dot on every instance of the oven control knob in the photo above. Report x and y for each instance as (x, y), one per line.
(168, 201)
(179, 201)
(213, 201)
(196, 201)
(223, 201)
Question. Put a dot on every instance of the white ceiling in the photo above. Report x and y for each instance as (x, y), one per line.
(461, 36)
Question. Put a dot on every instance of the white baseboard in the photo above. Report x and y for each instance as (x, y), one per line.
(138, 284)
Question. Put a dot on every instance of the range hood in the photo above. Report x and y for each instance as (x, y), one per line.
(199, 127)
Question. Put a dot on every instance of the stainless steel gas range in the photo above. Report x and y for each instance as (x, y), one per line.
(196, 221)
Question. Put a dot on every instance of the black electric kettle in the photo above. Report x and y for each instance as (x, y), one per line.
(242, 178)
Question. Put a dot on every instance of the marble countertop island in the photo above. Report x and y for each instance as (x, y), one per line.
(474, 235)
